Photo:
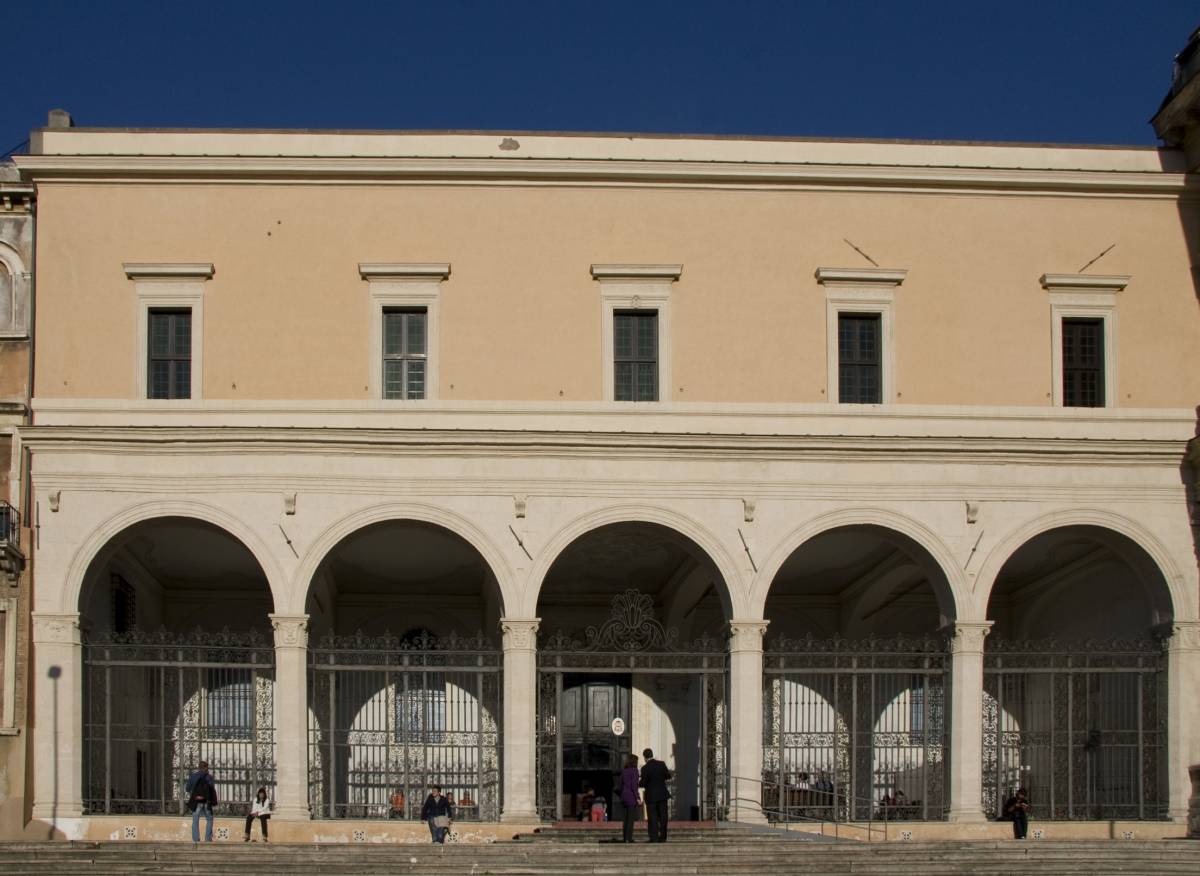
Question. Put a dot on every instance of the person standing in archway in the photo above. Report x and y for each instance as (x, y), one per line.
(655, 776)
(630, 798)
(1017, 808)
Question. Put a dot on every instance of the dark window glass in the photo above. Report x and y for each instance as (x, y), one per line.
(404, 346)
(1083, 363)
(169, 370)
(635, 355)
(860, 371)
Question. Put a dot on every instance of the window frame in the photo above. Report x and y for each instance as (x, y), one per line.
(169, 313)
(162, 286)
(867, 291)
(877, 364)
(635, 288)
(403, 286)
(17, 293)
(1083, 296)
(406, 356)
(639, 318)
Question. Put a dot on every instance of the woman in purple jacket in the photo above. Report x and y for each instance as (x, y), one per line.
(629, 794)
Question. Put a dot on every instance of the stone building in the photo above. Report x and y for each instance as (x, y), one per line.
(844, 475)
(16, 262)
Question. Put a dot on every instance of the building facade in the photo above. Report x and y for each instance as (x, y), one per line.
(16, 287)
(848, 476)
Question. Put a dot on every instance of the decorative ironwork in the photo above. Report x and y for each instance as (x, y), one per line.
(853, 724)
(1081, 725)
(388, 716)
(157, 702)
(633, 640)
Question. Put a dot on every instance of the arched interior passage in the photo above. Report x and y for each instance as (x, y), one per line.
(404, 674)
(178, 667)
(628, 612)
(855, 673)
(1074, 679)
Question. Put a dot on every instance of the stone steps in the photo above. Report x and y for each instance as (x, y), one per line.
(730, 853)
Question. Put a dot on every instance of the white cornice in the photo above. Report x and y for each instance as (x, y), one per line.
(171, 271)
(1084, 282)
(829, 420)
(861, 276)
(668, 273)
(403, 271)
(570, 171)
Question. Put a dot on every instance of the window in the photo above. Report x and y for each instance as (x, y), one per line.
(404, 353)
(635, 355)
(169, 370)
(635, 308)
(403, 301)
(859, 359)
(1083, 326)
(860, 354)
(14, 294)
(229, 712)
(170, 314)
(1083, 363)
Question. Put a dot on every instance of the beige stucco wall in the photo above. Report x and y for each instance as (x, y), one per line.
(287, 313)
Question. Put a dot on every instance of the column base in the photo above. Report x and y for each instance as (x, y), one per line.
(966, 816)
(52, 811)
(748, 815)
(529, 817)
(291, 813)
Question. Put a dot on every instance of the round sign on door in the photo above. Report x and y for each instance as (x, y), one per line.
(618, 726)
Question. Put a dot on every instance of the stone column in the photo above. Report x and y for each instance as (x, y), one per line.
(746, 718)
(966, 721)
(291, 716)
(1183, 714)
(520, 719)
(58, 716)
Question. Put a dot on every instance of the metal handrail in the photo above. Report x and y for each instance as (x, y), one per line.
(785, 817)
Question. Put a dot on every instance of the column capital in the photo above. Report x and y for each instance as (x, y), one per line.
(56, 628)
(520, 633)
(746, 634)
(1185, 636)
(966, 637)
(291, 630)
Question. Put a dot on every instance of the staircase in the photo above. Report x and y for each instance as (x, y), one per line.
(725, 852)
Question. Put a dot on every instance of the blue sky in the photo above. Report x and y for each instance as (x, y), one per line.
(1075, 71)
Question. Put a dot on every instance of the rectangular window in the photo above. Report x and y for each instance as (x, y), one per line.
(404, 353)
(124, 605)
(860, 358)
(1083, 363)
(230, 703)
(169, 370)
(635, 355)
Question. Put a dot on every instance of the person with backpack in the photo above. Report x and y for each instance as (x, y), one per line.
(201, 800)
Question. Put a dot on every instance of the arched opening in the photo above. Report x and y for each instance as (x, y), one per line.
(404, 675)
(632, 656)
(855, 675)
(1075, 678)
(178, 667)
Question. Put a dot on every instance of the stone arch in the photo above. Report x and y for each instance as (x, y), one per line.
(1180, 606)
(732, 591)
(951, 601)
(103, 534)
(334, 534)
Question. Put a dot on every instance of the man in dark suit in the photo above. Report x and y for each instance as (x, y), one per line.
(654, 782)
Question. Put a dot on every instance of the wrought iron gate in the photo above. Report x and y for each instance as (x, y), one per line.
(156, 703)
(855, 726)
(1082, 726)
(633, 641)
(389, 717)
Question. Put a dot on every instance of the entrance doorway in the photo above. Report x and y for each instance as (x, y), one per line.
(594, 707)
